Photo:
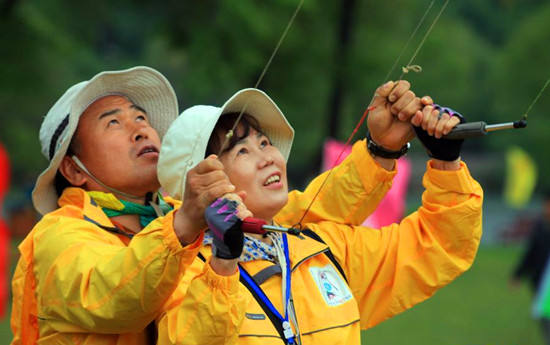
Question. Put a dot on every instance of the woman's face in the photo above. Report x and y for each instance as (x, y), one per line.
(259, 169)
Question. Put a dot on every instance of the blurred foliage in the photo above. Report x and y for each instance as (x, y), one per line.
(483, 58)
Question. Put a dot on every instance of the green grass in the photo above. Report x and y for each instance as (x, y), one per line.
(479, 308)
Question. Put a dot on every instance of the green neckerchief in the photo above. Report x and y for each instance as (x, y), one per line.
(113, 207)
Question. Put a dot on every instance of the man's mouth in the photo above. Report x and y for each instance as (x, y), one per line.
(272, 179)
(148, 149)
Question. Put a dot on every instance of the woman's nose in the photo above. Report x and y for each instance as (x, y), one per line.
(266, 160)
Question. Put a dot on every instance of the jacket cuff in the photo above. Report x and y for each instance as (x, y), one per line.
(172, 242)
(224, 283)
(458, 181)
(372, 172)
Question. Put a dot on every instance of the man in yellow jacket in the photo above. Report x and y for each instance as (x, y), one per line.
(110, 251)
(335, 279)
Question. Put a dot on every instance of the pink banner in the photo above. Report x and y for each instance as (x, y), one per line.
(392, 207)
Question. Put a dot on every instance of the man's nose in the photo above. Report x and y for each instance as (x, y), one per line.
(140, 132)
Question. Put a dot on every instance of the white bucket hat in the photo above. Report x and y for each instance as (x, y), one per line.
(142, 85)
(185, 142)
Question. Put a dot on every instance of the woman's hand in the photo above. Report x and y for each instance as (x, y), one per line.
(389, 122)
(430, 125)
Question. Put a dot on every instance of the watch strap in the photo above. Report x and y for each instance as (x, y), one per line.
(379, 151)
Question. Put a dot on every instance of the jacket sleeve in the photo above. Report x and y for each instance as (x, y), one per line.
(23, 312)
(88, 281)
(350, 194)
(393, 268)
(206, 308)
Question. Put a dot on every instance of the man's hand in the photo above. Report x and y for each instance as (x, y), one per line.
(389, 123)
(204, 183)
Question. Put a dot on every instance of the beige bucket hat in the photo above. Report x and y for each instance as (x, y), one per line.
(185, 142)
(142, 85)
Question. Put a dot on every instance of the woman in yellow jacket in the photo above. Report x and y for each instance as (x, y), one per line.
(327, 284)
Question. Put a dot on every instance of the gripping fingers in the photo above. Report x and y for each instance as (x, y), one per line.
(384, 90)
(213, 177)
(409, 109)
(214, 192)
(402, 102)
(242, 211)
(399, 90)
(441, 123)
(426, 100)
(449, 125)
(427, 116)
(207, 165)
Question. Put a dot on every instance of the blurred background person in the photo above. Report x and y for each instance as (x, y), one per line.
(533, 263)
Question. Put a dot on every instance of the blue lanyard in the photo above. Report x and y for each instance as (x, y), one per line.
(289, 335)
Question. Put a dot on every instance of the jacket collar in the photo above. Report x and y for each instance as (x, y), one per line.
(302, 248)
(78, 198)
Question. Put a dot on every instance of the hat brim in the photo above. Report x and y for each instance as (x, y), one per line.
(142, 85)
(258, 105)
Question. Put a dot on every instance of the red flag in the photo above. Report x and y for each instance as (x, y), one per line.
(4, 232)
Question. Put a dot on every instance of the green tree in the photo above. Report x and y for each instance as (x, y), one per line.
(518, 74)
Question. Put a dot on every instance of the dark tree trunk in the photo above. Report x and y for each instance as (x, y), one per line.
(341, 56)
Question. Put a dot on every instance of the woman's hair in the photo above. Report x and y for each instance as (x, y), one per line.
(224, 125)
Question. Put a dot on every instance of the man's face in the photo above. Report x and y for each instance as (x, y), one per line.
(118, 146)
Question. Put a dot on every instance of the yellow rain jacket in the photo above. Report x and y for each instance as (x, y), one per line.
(75, 277)
(88, 279)
(388, 271)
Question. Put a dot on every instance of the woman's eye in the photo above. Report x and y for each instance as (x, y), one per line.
(242, 151)
(141, 118)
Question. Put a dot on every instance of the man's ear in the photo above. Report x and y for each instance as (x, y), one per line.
(72, 172)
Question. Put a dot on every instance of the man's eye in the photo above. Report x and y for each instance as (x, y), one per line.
(113, 122)
(141, 118)
(265, 143)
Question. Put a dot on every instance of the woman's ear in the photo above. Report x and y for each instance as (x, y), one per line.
(72, 172)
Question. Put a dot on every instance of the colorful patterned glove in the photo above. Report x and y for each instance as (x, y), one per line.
(225, 226)
(443, 149)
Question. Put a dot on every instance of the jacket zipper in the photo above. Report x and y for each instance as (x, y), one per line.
(291, 309)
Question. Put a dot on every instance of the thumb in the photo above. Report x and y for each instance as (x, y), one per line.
(382, 93)
(242, 195)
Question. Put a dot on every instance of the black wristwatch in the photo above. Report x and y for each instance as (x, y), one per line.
(379, 151)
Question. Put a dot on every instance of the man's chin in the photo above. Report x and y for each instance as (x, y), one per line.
(143, 185)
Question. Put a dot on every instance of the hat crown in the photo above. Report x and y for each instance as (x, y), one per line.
(55, 117)
(142, 85)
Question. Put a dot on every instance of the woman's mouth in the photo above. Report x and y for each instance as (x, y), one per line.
(275, 178)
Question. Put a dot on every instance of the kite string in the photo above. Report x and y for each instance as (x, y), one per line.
(266, 67)
(415, 68)
(536, 99)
